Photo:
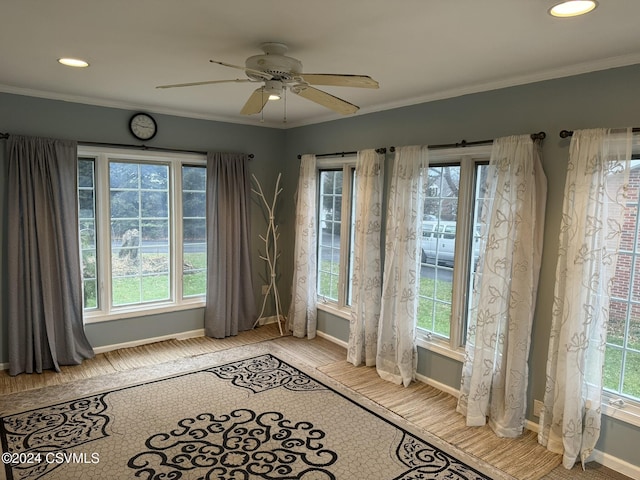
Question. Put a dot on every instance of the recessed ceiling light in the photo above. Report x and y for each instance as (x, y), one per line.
(73, 62)
(573, 8)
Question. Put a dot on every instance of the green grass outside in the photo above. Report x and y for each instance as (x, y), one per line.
(127, 289)
(434, 306)
(328, 280)
(194, 278)
(613, 369)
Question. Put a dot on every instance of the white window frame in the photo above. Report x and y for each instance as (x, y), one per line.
(467, 158)
(347, 164)
(176, 302)
(614, 404)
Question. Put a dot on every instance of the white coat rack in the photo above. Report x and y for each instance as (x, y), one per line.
(271, 254)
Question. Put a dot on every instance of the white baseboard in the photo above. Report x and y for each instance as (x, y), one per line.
(615, 463)
(145, 341)
(332, 339)
(609, 461)
(177, 336)
(137, 343)
(440, 386)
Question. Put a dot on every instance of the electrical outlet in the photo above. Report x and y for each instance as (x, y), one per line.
(537, 408)
(265, 289)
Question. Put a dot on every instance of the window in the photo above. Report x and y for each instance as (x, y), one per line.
(194, 228)
(139, 206)
(336, 212)
(142, 230)
(622, 358)
(449, 244)
(87, 227)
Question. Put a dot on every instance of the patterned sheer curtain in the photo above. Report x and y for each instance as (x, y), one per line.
(302, 318)
(594, 198)
(45, 288)
(396, 357)
(495, 371)
(366, 280)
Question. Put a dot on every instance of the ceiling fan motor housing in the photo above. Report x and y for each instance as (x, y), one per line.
(275, 63)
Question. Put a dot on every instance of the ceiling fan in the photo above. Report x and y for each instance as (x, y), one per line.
(278, 72)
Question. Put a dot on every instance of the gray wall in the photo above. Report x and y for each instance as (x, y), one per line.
(601, 99)
(49, 118)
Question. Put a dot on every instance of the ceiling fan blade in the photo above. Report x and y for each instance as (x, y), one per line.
(326, 100)
(209, 82)
(257, 73)
(361, 81)
(256, 102)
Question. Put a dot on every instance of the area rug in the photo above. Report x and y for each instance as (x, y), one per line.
(248, 414)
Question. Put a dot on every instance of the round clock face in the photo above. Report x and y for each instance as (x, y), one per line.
(143, 126)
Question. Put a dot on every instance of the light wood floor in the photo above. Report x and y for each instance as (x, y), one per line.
(423, 405)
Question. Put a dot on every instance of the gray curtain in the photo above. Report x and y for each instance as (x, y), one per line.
(231, 304)
(45, 283)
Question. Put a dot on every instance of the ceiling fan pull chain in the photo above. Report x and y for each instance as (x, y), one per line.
(285, 106)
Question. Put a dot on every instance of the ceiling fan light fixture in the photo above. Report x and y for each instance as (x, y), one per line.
(572, 8)
(73, 62)
(273, 88)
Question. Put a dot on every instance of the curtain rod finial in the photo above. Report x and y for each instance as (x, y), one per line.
(565, 133)
(538, 136)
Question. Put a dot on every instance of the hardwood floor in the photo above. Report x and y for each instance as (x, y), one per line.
(423, 405)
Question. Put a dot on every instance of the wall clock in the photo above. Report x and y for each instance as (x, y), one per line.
(143, 126)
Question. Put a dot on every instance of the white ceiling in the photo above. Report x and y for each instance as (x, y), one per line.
(418, 50)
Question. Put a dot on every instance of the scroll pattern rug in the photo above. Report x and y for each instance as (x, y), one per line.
(253, 418)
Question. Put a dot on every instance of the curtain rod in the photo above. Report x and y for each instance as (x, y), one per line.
(461, 144)
(568, 133)
(464, 143)
(4, 136)
(344, 154)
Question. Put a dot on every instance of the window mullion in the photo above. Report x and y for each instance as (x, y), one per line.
(176, 249)
(462, 251)
(103, 225)
(345, 235)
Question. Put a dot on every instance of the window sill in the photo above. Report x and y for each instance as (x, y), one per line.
(439, 347)
(344, 312)
(119, 314)
(629, 412)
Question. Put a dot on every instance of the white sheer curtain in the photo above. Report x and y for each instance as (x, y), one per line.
(366, 280)
(396, 357)
(302, 318)
(595, 192)
(495, 371)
